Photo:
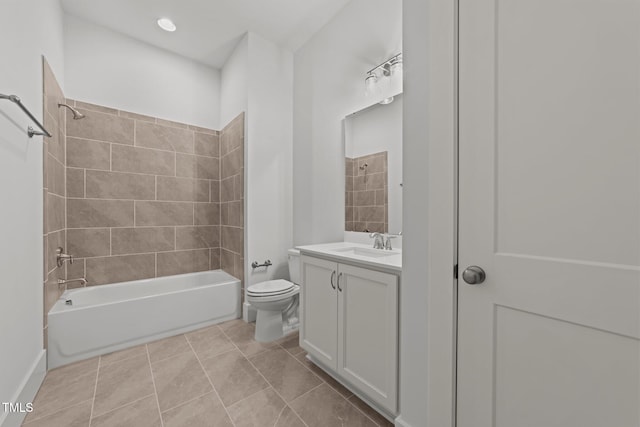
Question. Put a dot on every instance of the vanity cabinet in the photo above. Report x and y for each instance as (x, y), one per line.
(349, 323)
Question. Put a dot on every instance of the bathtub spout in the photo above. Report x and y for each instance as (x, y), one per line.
(82, 280)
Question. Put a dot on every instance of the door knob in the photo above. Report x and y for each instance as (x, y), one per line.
(474, 275)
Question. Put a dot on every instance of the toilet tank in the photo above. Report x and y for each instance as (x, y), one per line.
(294, 266)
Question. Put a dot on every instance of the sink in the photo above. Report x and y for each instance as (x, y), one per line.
(371, 253)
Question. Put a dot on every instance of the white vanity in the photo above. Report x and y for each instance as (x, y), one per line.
(349, 317)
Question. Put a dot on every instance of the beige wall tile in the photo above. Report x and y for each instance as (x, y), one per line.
(364, 198)
(204, 130)
(57, 143)
(136, 116)
(116, 269)
(160, 137)
(75, 182)
(207, 144)
(88, 242)
(142, 160)
(185, 165)
(207, 214)
(118, 185)
(215, 191)
(55, 212)
(232, 239)
(198, 237)
(102, 127)
(55, 175)
(236, 214)
(170, 263)
(226, 189)
(82, 153)
(94, 107)
(163, 213)
(87, 213)
(376, 181)
(227, 261)
(231, 163)
(207, 167)
(238, 185)
(172, 123)
(141, 240)
(177, 189)
(203, 190)
(76, 270)
(214, 258)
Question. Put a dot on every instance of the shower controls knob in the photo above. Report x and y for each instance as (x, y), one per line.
(474, 275)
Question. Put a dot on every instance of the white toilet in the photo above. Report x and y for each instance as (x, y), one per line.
(276, 302)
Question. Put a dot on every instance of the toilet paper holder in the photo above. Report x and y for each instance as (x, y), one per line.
(267, 263)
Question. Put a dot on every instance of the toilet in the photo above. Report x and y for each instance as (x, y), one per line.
(276, 303)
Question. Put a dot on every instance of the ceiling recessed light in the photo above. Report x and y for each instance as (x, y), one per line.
(166, 24)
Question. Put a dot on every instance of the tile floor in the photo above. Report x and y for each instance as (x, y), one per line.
(217, 376)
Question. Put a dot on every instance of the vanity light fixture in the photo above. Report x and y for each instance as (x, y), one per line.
(167, 24)
(386, 78)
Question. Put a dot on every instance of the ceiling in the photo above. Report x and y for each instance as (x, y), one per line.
(208, 30)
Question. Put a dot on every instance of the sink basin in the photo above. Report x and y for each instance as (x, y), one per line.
(371, 253)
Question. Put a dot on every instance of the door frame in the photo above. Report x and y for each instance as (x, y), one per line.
(428, 297)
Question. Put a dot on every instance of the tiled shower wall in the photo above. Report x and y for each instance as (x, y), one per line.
(232, 197)
(54, 188)
(143, 196)
(367, 193)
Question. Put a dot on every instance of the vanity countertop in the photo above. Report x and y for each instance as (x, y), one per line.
(357, 254)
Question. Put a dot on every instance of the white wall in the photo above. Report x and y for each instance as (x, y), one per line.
(375, 129)
(107, 68)
(427, 299)
(234, 86)
(30, 29)
(258, 79)
(268, 159)
(329, 84)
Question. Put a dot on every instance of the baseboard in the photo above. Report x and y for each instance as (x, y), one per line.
(27, 391)
(399, 422)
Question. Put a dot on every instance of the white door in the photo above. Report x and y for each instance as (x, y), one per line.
(368, 332)
(550, 209)
(319, 310)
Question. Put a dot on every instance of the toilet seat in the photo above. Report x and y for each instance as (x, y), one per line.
(265, 298)
(270, 288)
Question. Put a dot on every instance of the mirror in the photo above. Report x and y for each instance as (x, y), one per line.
(373, 168)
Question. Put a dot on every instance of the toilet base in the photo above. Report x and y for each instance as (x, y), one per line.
(269, 326)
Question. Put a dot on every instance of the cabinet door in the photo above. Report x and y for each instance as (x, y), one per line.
(318, 310)
(368, 332)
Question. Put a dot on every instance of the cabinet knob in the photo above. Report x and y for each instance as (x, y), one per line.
(333, 276)
(339, 276)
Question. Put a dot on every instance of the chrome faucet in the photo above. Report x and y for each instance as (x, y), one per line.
(66, 282)
(61, 257)
(387, 243)
(378, 240)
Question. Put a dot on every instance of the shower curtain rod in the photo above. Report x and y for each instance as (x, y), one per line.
(30, 131)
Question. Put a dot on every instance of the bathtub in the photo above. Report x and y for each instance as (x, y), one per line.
(96, 320)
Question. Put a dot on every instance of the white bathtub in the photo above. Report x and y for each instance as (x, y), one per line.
(106, 318)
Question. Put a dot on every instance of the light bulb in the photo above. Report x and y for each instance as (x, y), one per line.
(167, 24)
(371, 83)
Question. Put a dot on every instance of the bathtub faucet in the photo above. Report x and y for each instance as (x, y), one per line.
(66, 282)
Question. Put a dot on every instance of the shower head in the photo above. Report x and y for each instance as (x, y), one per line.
(77, 115)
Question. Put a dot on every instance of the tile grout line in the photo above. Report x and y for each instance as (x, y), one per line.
(268, 382)
(155, 390)
(131, 403)
(280, 414)
(95, 390)
(209, 379)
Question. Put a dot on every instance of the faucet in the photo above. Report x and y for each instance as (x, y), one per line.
(61, 257)
(378, 242)
(387, 243)
(66, 282)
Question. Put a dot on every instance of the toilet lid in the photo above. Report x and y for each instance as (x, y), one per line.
(270, 287)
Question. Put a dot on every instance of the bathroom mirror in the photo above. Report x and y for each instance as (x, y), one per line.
(373, 168)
